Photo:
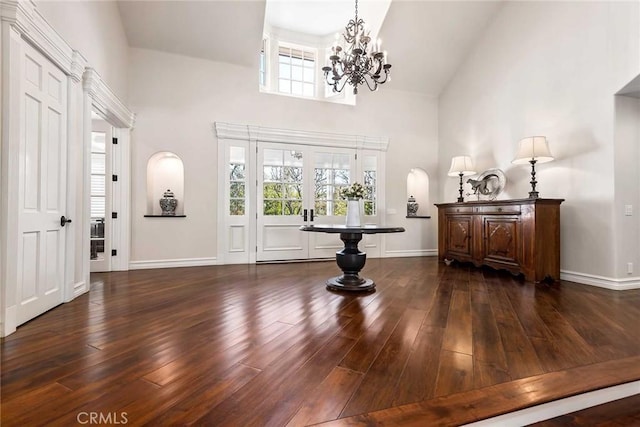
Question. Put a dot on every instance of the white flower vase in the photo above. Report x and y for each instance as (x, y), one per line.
(353, 213)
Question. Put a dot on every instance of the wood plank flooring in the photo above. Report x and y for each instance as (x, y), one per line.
(254, 345)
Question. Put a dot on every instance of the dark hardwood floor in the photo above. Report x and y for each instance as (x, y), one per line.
(253, 345)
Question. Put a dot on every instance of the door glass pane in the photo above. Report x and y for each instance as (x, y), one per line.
(98, 194)
(369, 180)
(282, 175)
(272, 157)
(331, 172)
(237, 182)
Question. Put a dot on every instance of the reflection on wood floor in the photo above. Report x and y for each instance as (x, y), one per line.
(245, 345)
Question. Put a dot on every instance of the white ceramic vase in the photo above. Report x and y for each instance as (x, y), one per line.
(353, 213)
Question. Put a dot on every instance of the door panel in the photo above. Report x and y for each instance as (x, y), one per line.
(332, 169)
(42, 187)
(281, 189)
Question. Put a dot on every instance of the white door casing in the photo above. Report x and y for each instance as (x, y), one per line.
(42, 186)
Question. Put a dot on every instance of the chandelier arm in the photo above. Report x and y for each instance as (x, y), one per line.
(344, 83)
(386, 77)
(375, 84)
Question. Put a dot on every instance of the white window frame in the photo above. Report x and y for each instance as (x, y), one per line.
(263, 74)
(321, 47)
(304, 51)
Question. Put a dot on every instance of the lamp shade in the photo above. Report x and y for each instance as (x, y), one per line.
(461, 165)
(533, 148)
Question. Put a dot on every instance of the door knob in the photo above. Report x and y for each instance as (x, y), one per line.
(64, 220)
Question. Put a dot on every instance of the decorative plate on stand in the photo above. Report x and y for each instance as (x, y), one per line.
(488, 185)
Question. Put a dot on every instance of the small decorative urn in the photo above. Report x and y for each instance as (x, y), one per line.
(412, 206)
(168, 203)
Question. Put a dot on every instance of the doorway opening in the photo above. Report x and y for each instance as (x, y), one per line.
(100, 195)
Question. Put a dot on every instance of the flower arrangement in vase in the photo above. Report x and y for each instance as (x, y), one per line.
(353, 193)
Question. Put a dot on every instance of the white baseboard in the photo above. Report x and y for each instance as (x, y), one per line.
(172, 263)
(562, 406)
(411, 253)
(79, 289)
(9, 322)
(601, 281)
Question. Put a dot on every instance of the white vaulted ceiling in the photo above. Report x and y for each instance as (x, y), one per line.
(426, 40)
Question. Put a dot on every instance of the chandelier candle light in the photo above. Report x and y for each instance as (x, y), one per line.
(353, 64)
(461, 166)
(533, 149)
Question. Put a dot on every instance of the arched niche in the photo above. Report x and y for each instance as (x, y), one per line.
(165, 171)
(418, 187)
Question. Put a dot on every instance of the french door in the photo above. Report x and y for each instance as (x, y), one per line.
(299, 185)
(100, 222)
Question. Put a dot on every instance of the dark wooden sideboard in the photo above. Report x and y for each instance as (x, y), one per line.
(520, 235)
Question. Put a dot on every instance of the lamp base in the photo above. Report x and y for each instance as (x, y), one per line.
(533, 194)
(460, 198)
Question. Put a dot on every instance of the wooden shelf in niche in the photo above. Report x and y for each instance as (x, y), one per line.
(165, 216)
(418, 216)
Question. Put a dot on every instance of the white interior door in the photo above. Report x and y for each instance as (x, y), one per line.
(100, 196)
(42, 186)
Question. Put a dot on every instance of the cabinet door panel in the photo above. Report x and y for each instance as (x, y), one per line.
(501, 239)
(459, 235)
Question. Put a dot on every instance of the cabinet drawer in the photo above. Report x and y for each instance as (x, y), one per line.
(458, 209)
(507, 209)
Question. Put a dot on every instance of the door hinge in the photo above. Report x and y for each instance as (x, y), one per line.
(114, 141)
(114, 178)
(114, 252)
(114, 215)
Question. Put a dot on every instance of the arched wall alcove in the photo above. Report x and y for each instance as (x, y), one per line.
(165, 171)
(418, 187)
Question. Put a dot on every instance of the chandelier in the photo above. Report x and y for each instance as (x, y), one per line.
(354, 65)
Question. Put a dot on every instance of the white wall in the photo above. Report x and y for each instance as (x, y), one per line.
(94, 29)
(549, 68)
(627, 179)
(177, 99)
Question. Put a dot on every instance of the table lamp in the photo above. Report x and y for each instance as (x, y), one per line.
(461, 166)
(533, 149)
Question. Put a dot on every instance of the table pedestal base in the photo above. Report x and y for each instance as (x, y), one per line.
(351, 260)
(339, 283)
